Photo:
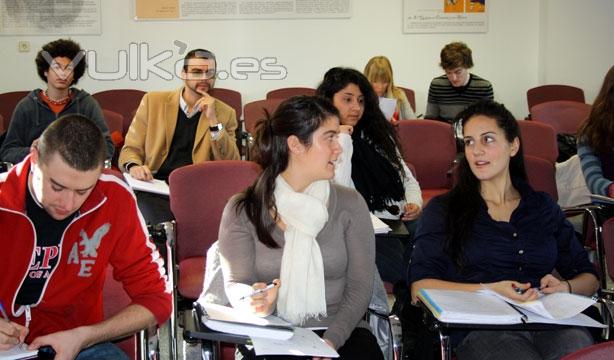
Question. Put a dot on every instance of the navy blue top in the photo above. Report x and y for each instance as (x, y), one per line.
(536, 240)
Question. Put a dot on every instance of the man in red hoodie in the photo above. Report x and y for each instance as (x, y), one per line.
(64, 222)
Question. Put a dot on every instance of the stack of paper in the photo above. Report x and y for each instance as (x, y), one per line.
(154, 186)
(488, 307)
(379, 227)
(18, 352)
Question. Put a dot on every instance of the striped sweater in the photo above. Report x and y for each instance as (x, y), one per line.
(593, 169)
(446, 101)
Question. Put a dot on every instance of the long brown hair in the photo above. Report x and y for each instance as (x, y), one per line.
(598, 129)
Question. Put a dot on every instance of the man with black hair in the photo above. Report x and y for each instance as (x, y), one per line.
(176, 128)
(60, 64)
(64, 223)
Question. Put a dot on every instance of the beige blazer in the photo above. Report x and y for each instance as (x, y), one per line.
(150, 135)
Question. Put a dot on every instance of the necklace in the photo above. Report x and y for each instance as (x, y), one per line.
(58, 102)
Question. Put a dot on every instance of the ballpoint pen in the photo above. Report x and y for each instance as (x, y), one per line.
(258, 291)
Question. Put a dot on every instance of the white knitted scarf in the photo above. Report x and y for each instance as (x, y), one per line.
(302, 292)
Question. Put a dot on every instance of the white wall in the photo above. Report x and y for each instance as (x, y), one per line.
(528, 43)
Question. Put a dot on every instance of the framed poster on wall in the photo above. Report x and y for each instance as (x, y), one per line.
(445, 16)
(50, 17)
(240, 9)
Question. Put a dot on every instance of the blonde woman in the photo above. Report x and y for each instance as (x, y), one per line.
(379, 73)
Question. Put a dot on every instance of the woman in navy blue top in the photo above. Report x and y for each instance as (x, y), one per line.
(492, 229)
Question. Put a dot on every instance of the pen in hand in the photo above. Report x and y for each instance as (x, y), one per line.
(4, 314)
(268, 287)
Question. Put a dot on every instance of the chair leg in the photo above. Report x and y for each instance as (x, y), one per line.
(446, 348)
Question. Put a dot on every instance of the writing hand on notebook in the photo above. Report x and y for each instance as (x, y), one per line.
(515, 290)
(549, 284)
(262, 300)
(141, 172)
(11, 334)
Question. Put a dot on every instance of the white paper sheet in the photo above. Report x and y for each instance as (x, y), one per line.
(387, 106)
(379, 227)
(304, 343)
(154, 186)
(18, 352)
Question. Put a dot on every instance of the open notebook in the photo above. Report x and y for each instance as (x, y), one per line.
(18, 352)
(487, 307)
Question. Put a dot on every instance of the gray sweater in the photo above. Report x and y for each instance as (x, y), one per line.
(347, 243)
(32, 116)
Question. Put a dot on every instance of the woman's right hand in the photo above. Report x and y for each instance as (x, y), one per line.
(11, 334)
(263, 304)
(508, 288)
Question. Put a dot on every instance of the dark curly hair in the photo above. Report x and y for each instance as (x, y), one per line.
(373, 124)
(60, 48)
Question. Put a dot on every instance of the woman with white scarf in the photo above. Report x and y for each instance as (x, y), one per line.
(311, 238)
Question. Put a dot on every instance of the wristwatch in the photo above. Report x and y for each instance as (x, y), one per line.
(216, 128)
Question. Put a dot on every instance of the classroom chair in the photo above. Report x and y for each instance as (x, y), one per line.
(539, 140)
(411, 97)
(198, 195)
(8, 101)
(545, 93)
(115, 299)
(231, 98)
(602, 351)
(563, 115)
(122, 101)
(253, 112)
(284, 93)
(430, 147)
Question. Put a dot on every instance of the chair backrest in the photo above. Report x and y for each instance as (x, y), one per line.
(430, 146)
(411, 97)
(538, 139)
(284, 93)
(602, 351)
(563, 115)
(198, 194)
(8, 101)
(114, 299)
(254, 111)
(231, 97)
(541, 174)
(545, 93)
(114, 120)
(123, 101)
(607, 233)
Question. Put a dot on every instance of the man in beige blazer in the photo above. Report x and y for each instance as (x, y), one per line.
(176, 128)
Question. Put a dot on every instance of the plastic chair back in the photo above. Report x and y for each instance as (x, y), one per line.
(254, 111)
(545, 93)
(541, 174)
(538, 139)
(411, 97)
(115, 299)
(602, 351)
(430, 147)
(198, 195)
(8, 101)
(288, 92)
(232, 98)
(122, 101)
(564, 116)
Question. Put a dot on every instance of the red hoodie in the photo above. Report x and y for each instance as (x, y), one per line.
(107, 230)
